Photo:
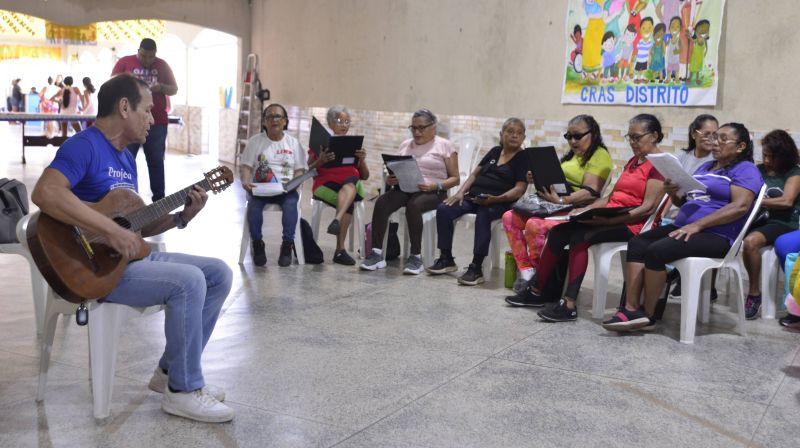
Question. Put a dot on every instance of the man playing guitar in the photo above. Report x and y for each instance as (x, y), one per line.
(96, 161)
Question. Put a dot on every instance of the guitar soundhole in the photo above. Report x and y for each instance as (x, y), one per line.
(122, 222)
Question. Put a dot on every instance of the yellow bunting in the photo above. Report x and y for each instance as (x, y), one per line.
(20, 51)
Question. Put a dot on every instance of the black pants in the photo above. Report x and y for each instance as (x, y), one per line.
(415, 203)
(655, 248)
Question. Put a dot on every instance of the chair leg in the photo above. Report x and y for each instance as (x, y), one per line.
(740, 301)
(316, 216)
(704, 298)
(46, 345)
(245, 242)
(602, 266)
(104, 325)
(38, 287)
(298, 242)
(769, 283)
(690, 295)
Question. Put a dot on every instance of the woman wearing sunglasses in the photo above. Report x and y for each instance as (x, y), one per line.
(586, 167)
(640, 186)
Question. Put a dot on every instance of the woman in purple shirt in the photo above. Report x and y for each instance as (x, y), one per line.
(711, 219)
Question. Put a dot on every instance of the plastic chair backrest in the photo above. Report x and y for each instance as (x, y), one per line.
(734, 250)
(468, 147)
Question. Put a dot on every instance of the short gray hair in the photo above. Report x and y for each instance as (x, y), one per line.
(426, 114)
(336, 110)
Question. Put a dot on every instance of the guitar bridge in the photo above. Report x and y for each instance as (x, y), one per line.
(86, 246)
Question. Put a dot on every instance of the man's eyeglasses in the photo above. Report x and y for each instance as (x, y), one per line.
(576, 137)
(634, 138)
(413, 128)
(274, 117)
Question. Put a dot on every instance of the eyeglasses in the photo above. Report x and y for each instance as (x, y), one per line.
(342, 121)
(576, 137)
(704, 135)
(413, 128)
(722, 139)
(274, 117)
(513, 133)
(634, 138)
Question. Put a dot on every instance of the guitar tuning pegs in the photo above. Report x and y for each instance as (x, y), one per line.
(82, 315)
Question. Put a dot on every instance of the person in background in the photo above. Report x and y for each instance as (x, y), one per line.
(272, 156)
(88, 100)
(158, 75)
(48, 105)
(340, 186)
(489, 191)
(70, 99)
(17, 99)
(438, 162)
(781, 206)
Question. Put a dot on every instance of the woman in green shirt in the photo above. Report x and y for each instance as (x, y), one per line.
(782, 206)
(587, 167)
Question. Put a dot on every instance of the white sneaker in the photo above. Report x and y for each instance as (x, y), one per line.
(158, 383)
(196, 405)
(373, 262)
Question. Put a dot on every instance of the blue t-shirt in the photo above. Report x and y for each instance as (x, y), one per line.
(94, 166)
(700, 204)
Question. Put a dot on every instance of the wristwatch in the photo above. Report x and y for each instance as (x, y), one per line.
(179, 221)
(561, 200)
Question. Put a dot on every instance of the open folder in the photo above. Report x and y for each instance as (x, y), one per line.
(343, 146)
(588, 214)
(407, 171)
(670, 167)
(277, 188)
(546, 169)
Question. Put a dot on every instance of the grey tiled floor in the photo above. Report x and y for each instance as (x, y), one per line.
(330, 356)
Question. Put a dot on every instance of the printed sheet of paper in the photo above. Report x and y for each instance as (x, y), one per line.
(268, 189)
(408, 174)
(669, 167)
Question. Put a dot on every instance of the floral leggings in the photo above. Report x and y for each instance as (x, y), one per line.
(526, 237)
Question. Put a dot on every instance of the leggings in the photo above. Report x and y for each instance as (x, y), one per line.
(578, 237)
(415, 203)
(786, 244)
(655, 248)
(526, 237)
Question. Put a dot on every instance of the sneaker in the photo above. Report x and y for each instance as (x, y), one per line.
(413, 265)
(751, 306)
(334, 227)
(259, 254)
(159, 380)
(374, 261)
(473, 276)
(342, 257)
(442, 265)
(790, 321)
(520, 284)
(196, 405)
(285, 257)
(676, 291)
(558, 312)
(528, 298)
(624, 320)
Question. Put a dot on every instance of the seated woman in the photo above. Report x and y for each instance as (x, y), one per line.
(438, 162)
(640, 186)
(586, 166)
(272, 156)
(787, 244)
(489, 191)
(340, 186)
(707, 224)
(782, 176)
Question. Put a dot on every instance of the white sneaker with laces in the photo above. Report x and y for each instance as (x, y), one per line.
(196, 405)
(158, 383)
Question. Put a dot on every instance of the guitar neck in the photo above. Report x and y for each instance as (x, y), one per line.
(145, 216)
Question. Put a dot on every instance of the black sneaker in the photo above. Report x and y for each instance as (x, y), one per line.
(259, 254)
(558, 312)
(676, 291)
(334, 227)
(528, 298)
(285, 258)
(441, 266)
(342, 257)
(790, 321)
(751, 306)
(624, 320)
(473, 276)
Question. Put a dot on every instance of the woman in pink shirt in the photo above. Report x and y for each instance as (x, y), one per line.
(438, 162)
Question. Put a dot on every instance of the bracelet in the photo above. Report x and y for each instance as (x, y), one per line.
(179, 221)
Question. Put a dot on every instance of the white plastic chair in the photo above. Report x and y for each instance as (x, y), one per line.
(298, 237)
(694, 282)
(38, 284)
(356, 227)
(602, 254)
(770, 270)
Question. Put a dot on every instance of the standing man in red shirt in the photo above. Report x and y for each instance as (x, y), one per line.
(157, 74)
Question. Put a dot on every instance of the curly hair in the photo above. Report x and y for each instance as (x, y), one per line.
(597, 139)
(783, 149)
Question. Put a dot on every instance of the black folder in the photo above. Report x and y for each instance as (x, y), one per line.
(343, 146)
(546, 169)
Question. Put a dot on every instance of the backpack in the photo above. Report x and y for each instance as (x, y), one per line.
(311, 250)
(14, 202)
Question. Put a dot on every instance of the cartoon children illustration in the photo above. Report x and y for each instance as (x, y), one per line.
(657, 53)
(689, 13)
(642, 53)
(577, 39)
(673, 56)
(612, 12)
(667, 9)
(699, 50)
(594, 36)
(609, 57)
(625, 57)
(635, 7)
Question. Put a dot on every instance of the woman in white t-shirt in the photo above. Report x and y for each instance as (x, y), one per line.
(273, 156)
(438, 163)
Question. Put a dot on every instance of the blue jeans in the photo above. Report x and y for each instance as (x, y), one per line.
(255, 216)
(484, 215)
(193, 289)
(154, 148)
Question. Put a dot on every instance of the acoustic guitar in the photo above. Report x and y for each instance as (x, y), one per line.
(79, 265)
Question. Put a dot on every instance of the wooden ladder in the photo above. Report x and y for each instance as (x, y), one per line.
(249, 107)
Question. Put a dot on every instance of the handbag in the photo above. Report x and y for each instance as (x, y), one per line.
(14, 203)
(532, 206)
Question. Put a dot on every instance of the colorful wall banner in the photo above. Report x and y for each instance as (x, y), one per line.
(21, 51)
(642, 52)
(71, 35)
